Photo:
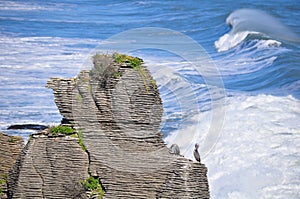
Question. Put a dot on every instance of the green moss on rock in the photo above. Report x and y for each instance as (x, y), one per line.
(93, 184)
(55, 130)
(79, 133)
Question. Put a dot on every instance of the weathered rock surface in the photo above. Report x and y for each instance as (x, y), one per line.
(118, 110)
(119, 116)
(49, 168)
(10, 148)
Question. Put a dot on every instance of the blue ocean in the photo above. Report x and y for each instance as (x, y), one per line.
(253, 46)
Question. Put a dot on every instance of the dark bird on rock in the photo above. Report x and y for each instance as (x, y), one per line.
(196, 153)
(175, 149)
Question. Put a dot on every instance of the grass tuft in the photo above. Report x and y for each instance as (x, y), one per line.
(93, 184)
(154, 84)
(117, 74)
(55, 130)
(80, 141)
(135, 62)
(2, 182)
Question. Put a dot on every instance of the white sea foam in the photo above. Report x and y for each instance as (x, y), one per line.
(230, 40)
(44, 52)
(262, 44)
(257, 153)
(30, 6)
(251, 21)
(254, 56)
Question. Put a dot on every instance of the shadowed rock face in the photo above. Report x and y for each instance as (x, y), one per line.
(118, 110)
(10, 148)
(27, 126)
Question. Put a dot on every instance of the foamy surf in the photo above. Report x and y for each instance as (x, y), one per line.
(245, 22)
(230, 40)
(257, 153)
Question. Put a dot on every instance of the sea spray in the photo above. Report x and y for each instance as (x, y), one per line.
(256, 22)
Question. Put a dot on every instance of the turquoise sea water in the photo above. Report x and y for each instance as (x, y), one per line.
(257, 154)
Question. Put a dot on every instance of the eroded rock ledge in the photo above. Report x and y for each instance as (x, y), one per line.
(118, 109)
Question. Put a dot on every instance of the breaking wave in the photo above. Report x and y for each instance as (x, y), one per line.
(258, 24)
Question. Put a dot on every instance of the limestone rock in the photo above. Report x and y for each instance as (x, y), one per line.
(49, 168)
(119, 116)
(10, 148)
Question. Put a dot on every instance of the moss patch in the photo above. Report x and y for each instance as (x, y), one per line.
(154, 84)
(55, 130)
(79, 97)
(2, 183)
(80, 141)
(93, 184)
(135, 63)
(105, 67)
(90, 88)
(117, 74)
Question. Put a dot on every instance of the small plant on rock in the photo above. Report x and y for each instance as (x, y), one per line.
(80, 142)
(100, 61)
(93, 184)
(117, 74)
(135, 62)
(154, 84)
(55, 130)
(2, 182)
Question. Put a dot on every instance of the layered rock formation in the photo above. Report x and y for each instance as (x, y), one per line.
(10, 148)
(117, 108)
(49, 168)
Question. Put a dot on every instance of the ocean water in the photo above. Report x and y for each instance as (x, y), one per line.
(256, 54)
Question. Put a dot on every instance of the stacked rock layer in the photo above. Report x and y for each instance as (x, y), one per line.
(49, 168)
(118, 110)
(10, 148)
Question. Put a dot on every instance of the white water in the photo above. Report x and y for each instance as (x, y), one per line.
(259, 54)
(245, 22)
(257, 155)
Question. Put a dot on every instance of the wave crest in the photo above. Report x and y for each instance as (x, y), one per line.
(245, 22)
